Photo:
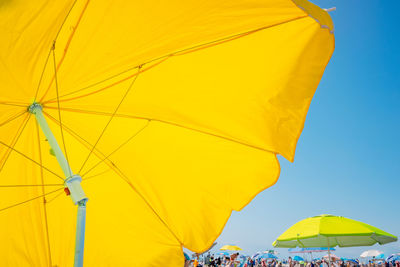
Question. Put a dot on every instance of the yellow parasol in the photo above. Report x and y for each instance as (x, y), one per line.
(160, 117)
(230, 247)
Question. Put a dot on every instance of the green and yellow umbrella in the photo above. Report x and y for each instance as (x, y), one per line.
(331, 231)
(141, 111)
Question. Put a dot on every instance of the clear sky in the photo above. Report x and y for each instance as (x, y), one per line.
(347, 160)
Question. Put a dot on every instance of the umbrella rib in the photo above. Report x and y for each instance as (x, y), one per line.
(75, 135)
(16, 116)
(337, 241)
(95, 175)
(80, 139)
(42, 74)
(56, 196)
(118, 148)
(48, 55)
(67, 44)
(110, 85)
(34, 161)
(43, 192)
(28, 200)
(118, 171)
(101, 113)
(29, 185)
(4, 160)
(15, 104)
(109, 121)
(176, 53)
(59, 111)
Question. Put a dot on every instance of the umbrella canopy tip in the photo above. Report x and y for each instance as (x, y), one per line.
(330, 9)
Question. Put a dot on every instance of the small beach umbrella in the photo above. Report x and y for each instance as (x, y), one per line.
(371, 253)
(140, 112)
(230, 247)
(330, 231)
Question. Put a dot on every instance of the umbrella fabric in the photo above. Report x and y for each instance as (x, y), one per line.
(331, 231)
(370, 253)
(309, 250)
(159, 105)
(230, 247)
(298, 258)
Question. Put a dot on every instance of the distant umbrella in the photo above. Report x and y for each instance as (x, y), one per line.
(370, 253)
(298, 258)
(230, 247)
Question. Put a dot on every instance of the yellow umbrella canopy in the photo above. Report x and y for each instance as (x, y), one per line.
(172, 112)
(230, 247)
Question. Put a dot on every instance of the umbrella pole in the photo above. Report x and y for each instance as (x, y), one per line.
(329, 253)
(72, 182)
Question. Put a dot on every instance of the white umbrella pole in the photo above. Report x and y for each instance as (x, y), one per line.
(72, 182)
(329, 254)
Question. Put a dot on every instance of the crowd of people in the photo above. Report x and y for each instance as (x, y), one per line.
(235, 260)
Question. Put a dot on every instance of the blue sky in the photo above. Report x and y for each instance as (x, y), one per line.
(347, 160)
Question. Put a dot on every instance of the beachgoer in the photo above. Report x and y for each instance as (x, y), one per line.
(187, 259)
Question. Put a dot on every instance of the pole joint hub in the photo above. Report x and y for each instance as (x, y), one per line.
(75, 188)
(35, 106)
